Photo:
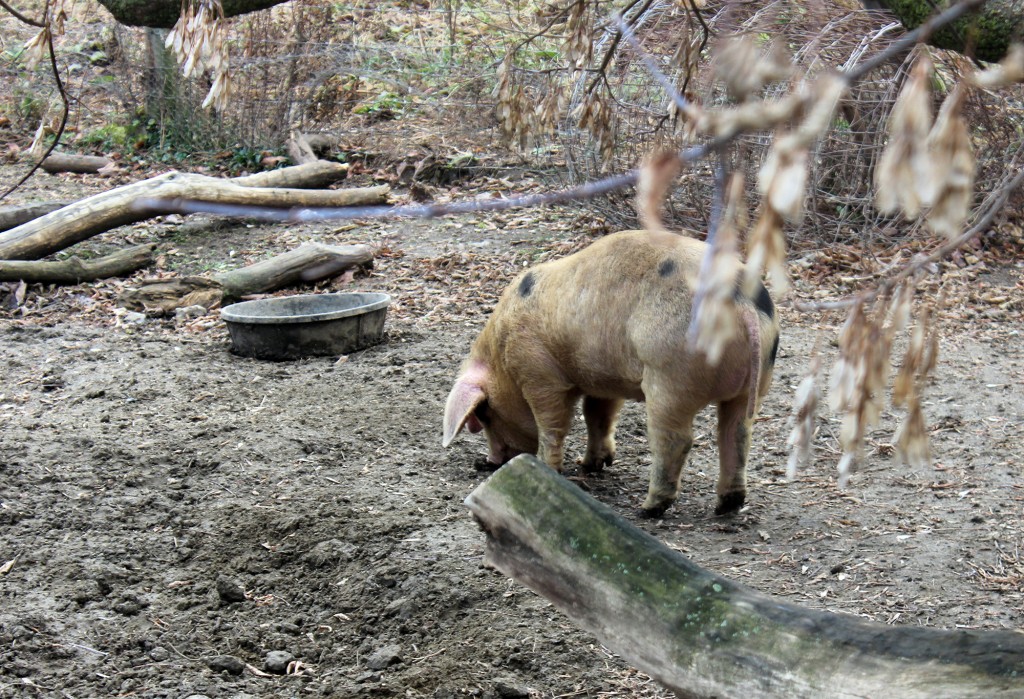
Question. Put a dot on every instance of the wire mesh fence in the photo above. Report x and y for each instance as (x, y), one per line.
(413, 80)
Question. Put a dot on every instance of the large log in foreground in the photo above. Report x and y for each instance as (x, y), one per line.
(84, 219)
(703, 635)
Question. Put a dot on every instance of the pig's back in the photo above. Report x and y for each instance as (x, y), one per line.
(606, 312)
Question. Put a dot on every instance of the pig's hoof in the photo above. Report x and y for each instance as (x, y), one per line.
(654, 511)
(596, 465)
(730, 502)
(483, 464)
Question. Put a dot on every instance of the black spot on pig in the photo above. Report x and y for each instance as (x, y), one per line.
(763, 301)
(775, 351)
(526, 286)
(666, 268)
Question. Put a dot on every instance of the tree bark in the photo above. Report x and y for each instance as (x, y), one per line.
(84, 219)
(703, 635)
(72, 162)
(75, 270)
(164, 13)
(12, 216)
(304, 148)
(308, 263)
(986, 34)
(309, 175)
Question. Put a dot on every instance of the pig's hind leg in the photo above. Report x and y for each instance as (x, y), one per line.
(670, 434)
(601, 416)
(734, 427)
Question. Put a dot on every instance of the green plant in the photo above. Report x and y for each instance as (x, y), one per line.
(386, 105)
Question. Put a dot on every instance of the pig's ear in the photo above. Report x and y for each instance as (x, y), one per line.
(466, 395)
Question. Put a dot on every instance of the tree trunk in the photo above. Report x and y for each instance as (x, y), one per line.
(101, 212)
(703, 635)
(164, 13)
(308, 263)
(74, 270)
(985, 34)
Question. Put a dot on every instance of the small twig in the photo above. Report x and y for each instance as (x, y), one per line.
(64, 101)
(22, 18)
(627, 33)
(703, 41)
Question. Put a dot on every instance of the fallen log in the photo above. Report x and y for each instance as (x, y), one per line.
(308, 263)
(71, 162)
(75, 270)
(310, 175)
(11, 216)
(101, 212)
(702, 635)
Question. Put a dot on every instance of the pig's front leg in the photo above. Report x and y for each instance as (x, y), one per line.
(552, 412)
(670, 433)
(601, 416)
(734, 427)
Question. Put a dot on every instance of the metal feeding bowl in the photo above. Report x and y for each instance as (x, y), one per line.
(291, 327)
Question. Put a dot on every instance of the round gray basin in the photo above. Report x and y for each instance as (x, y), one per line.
(291, 327)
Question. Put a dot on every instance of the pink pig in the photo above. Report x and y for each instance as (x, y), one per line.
(608, 324)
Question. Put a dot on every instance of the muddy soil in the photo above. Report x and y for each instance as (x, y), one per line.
(179, 521)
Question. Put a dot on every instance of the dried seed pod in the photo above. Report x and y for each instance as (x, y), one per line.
(953, 168)
(1008, 71)
(579, 39)
(805, 410)
(36, 47)
(198, 41)
(858, 383)
(714, 322)
(783, 177)
(766, 249)
(903, 177)
(745, 68)
(912, 437)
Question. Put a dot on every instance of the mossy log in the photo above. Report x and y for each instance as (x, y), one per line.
(75, 270)
(306, 264)
(702, 635)
(101, 212)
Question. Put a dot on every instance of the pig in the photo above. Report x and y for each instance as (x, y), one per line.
(609, 324)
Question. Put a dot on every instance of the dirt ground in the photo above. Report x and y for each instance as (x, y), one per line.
(177, 521)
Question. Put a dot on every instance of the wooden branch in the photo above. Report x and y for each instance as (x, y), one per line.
(75, 270)
(311, 175)
(308, 263)
(11, 216)
(305, 148)
(101, 212)
(71, 162)
(299, 149)
(703, 635)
